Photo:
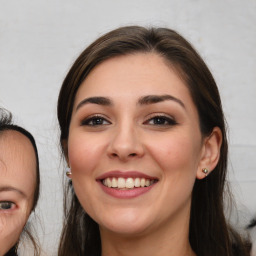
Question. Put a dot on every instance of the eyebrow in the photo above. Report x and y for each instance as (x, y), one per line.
(95, 100)
(145, 100)
(10, 188)
(152, 99)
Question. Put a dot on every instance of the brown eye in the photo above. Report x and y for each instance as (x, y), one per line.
(161, 120)
(95, 121)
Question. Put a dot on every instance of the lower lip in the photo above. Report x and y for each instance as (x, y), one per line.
(126, 194)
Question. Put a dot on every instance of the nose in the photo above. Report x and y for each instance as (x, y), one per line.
(125, 144)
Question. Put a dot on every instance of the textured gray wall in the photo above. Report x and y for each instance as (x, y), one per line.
(39, 40)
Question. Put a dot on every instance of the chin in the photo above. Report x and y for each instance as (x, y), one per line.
(127, 224)
(126, 229)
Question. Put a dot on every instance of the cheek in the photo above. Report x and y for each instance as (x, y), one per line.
(178, 161)
(177, 155)
(85, 153)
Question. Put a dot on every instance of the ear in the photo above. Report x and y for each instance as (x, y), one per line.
(210, 152)
(64, 144)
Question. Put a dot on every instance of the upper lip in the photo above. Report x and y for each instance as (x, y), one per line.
(125, 174)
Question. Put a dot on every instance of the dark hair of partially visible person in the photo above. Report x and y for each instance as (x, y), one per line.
(7, 125)
(210, 234)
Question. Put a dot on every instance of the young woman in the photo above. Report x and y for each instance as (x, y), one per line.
(143, 132)
(19, 184)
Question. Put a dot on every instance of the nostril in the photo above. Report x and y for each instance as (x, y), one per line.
(132, 154)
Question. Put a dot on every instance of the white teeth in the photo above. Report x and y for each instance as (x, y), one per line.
(114, 183)
(142, 182)
(128, 183)
(109, 183)
(121, 183)
(137, 182)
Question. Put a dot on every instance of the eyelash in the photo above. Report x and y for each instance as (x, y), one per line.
(6, 205)
(162, 120)
(90, 121)
(158, 119)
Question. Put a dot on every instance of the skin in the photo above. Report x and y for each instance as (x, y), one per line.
(161, 139)
(17, 185)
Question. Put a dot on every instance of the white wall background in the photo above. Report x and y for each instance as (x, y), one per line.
(39, 40)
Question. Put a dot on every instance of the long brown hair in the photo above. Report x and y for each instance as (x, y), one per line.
(209, 232)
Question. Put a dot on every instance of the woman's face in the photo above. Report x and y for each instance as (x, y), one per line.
(135, 145)
(17, 185)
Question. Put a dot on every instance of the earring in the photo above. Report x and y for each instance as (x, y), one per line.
(68, 172)
(205, 171)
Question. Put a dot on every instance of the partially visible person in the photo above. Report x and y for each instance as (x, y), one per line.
(19, 184)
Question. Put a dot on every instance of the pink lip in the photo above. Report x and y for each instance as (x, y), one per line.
(129, 193)
(125, 174)
(125, 194)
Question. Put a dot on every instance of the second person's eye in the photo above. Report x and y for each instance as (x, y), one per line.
(6, 205)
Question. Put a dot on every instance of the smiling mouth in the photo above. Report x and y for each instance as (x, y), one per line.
(127, 183)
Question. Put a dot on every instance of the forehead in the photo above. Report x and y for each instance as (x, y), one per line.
(17, 161)
(134, 75)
